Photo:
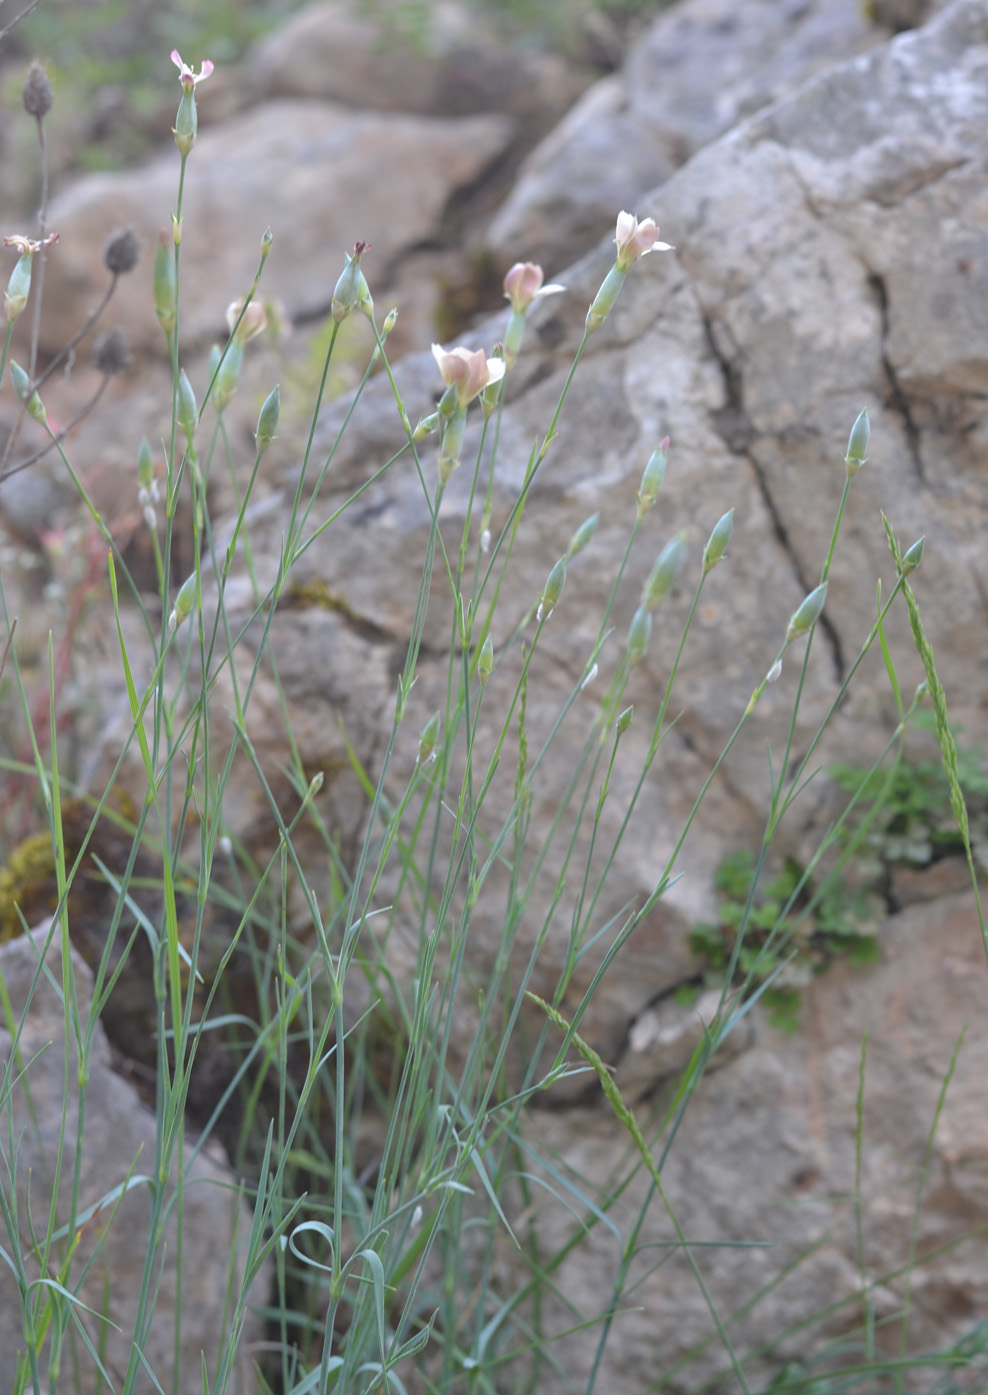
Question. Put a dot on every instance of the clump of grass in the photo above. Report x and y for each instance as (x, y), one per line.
(381, 1156)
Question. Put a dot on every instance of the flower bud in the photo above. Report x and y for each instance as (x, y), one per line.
(583, 535)
(857, 444)
(147, 485)
(634, 240)
(20, 380)
(662, 577)
(186, 126)
(245, 322)
(638, 635)
(145, 464)
(603, 301)
(27, 394)
(492, 392)
(912, 559)
(426, 427)
(718, 541)
(652, 477)
(267, 237)
(553, 590)
(428, 739)
(188, 412)
(390, 320)
(451, 444)
(485, 660)
(227, 371)
(352, 292)
(267, 421)
(807, 614)
(187, 120)
(624, 720)
(165, 292)
(184, 602)
(18, 287)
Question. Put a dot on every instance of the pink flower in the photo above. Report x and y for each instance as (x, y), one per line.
(469, 371)
(636, 239)
(186, 76)
(523, 284)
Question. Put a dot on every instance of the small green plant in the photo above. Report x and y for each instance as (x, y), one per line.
(906, 811)
(794, 929)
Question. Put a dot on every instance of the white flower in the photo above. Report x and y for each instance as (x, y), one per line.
(470, 371)
(523, 285)
(186, 76)
(636, 239)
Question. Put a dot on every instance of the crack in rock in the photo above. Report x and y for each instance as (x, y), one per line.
(896, 399)
(738, 433)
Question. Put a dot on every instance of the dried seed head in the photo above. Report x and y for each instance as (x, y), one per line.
(36, 94)
(122, 251)
(111, 352)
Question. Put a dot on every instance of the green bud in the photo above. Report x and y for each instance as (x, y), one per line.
(184, 602)
(267, 421)
(186, 123)
(428, 739)
(485, 661)
(229, 372)
(857, 444)
(718, 541)
(513, 336)
(553, 590)
(352, 292)
(315, 785)
(912, 559)
(583, 535)
(145, 464)
(654, 474)
(492, 392)
(663, 575)
(638, 635)
(603, 301)
(18, 287)
(806, 616)
(624, 720)
(451, 443)
(390, 320)
(426, 427)
(188, 412)
(20, 380)
(165, 295)
(449, 403)
(267, 238)
(26, 393)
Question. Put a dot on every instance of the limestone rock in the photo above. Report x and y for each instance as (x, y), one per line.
(443, 61)
(765, 1156)
(118, 1143)
(320, 176)
(827, 257)
(703, 66)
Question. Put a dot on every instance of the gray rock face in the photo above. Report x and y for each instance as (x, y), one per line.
(766, 1157)
(701, 68)
(117, 1144)
(445, 60)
